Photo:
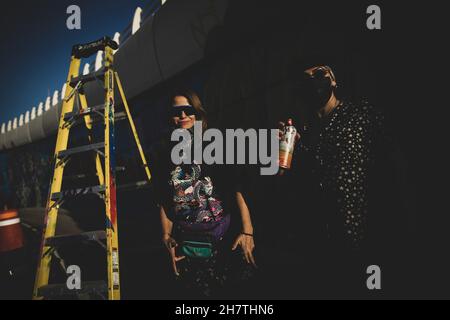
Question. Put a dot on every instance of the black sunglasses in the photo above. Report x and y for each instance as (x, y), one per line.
(188, 110)
(307, 80)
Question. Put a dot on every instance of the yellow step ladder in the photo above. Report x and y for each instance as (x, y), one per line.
(106, 169)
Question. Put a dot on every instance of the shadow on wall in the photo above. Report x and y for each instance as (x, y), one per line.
(254, 58)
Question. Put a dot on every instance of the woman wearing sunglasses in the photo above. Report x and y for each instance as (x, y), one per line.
(201, 208)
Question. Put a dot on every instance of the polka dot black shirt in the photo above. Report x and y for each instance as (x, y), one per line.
(343, 155)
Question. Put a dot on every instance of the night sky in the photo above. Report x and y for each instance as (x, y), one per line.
(36, 45)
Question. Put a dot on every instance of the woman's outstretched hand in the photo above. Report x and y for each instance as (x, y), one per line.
(247, 245)
(171, 244)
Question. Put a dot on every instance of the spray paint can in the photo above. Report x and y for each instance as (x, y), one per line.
(287, 144)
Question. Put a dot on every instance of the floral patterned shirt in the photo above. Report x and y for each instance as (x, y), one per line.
(193, 195)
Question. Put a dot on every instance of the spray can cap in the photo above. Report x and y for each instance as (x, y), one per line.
(289, 122)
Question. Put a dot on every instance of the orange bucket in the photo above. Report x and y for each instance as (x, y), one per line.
(11, 235)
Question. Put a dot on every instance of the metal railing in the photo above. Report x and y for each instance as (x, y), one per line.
(149, 10)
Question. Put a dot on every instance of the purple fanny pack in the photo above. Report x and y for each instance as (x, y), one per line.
(213, 230)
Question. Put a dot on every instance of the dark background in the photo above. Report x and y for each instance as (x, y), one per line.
(394, 68)
(399, 69)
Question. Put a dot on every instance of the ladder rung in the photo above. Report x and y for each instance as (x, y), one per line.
(76, 176)
(88, 49)
(88, 288)
(86, 148)
(134, 185)
(118, 116)
(88, 77)
(83, 175)
(77, 192)
(83, 112)
(59, 241)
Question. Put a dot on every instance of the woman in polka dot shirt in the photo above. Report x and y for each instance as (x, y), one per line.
(342, 155)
